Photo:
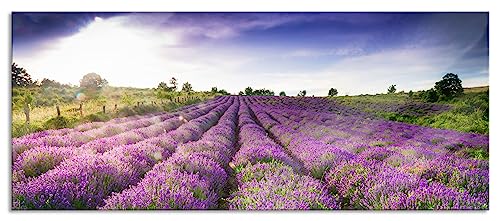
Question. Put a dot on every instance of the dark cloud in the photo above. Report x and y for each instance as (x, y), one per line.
(32, 27)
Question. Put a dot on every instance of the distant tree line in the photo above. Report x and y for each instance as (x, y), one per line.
(249, 91)
(214, 90)
(448, 87)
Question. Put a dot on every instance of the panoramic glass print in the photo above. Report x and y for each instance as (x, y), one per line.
(250, 111)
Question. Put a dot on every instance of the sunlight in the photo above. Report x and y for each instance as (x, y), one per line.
(106, 46)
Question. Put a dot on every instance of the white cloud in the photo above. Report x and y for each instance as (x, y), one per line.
(341, 51)
(141, 50)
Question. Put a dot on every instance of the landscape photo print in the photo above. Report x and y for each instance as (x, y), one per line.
(250, 111)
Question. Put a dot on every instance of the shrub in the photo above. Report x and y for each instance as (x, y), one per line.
(59, 122)
(430, 95)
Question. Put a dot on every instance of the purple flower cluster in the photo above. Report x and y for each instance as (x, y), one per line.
(84, 181)
(251, 153)
(275, 186)
(194, 177)
(384, 164)
(268, 178)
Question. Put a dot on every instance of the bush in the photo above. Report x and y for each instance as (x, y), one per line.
(59, 122)
(96, 117)
(430, 95)
(23, 129)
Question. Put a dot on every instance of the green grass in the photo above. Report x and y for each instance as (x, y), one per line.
(469, 112)
(43, 114)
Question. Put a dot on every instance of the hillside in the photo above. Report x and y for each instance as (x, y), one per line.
(467, 113)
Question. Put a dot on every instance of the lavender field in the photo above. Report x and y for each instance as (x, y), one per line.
(252, 153)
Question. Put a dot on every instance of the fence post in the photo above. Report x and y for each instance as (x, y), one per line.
(103, 109)
(81, 110)
(27, 112)
(58, 111)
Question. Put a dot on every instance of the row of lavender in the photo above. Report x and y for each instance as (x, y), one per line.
(382, 165)
(42, 154)
(90, 131)
(85, 178)
(268, 177)
(193, 178)
(257, 153)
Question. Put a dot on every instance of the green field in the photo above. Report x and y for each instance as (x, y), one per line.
(468, 112)
(128, 101)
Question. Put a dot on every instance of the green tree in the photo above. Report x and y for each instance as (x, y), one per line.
(241, 93)
(45, 83)
(20, 77)
(223, 92)
(450, 86)
(282, 93)
(391, 89)
(263, 92)
(187, 88)
(24, 100)
(302, 93)
(214, 90)
(248, 91)
(163, 86)
(173, 82)
(333, 92)
(92, 84)
(93, 81)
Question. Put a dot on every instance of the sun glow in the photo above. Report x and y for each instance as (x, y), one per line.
(110, 47)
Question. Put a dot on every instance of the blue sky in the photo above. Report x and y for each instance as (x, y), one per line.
(356, 53)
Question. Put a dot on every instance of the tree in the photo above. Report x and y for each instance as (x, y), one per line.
(50, 83)
(214, 90)
(93, 81)
(333, 92)
(248, 91)
(241, 93)
(391, 89)
(20, 77)
(92, 84)
(24, 100)
(282, 93)
(163, 86)
(450, 86)
(263, 92)
(173, 82)
(186, 87)
(223, 92)
(302, 93)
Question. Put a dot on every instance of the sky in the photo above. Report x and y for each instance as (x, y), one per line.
(356, 53)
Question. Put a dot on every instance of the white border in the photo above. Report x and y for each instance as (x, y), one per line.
(252, 5)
